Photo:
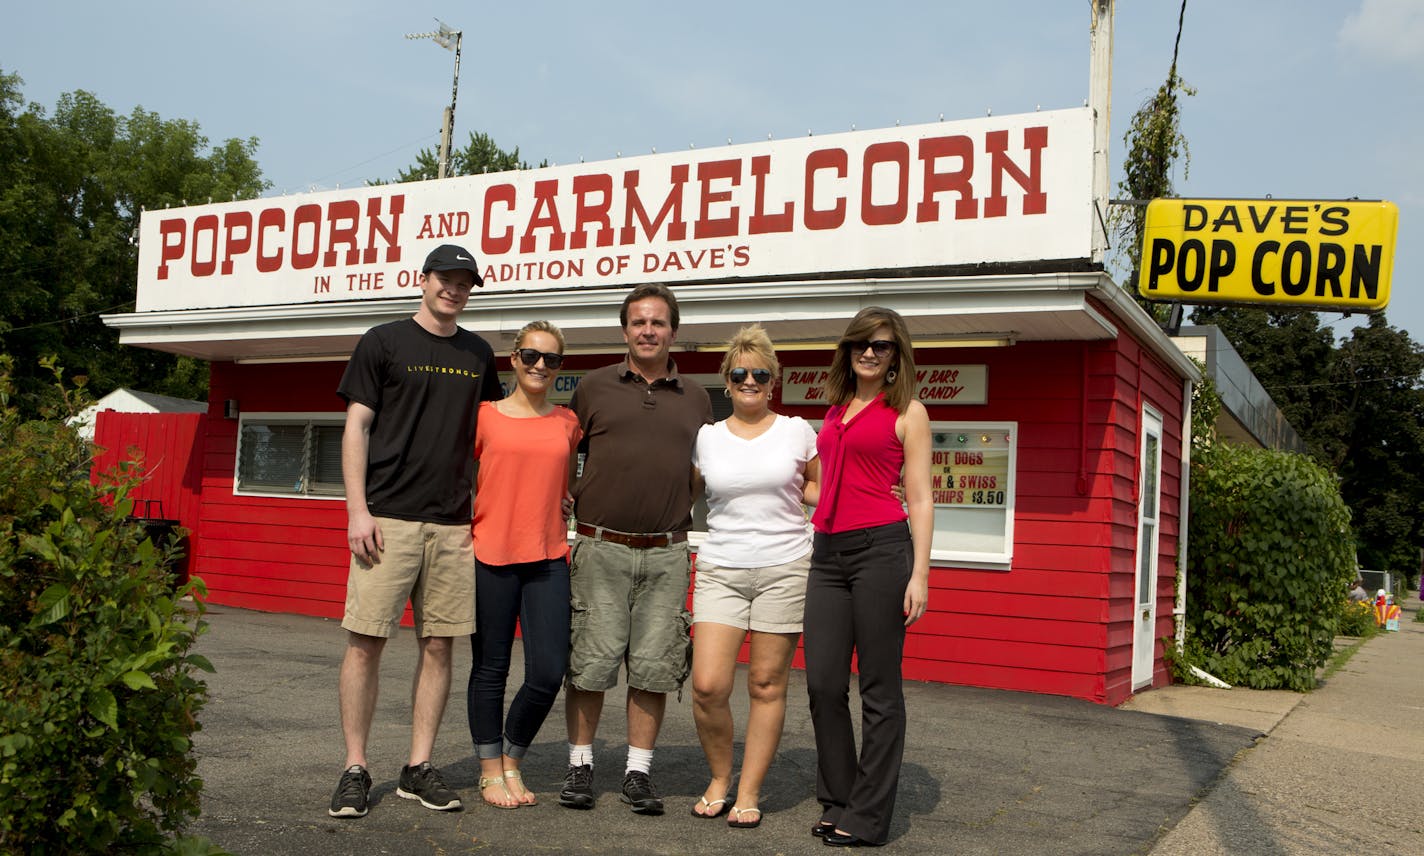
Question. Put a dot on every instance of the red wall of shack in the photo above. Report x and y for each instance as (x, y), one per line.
(1058, 621)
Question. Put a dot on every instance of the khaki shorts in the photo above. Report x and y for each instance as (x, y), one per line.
(431, 565)
(629, 607)
(767, 600)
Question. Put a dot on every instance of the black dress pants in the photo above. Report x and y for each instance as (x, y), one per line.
(855, 603)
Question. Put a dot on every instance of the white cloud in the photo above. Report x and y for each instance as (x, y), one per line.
(1391, 30)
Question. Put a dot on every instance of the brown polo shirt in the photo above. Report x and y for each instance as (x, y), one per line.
(638, 436)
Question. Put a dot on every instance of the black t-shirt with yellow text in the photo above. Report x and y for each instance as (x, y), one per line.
(426, 391)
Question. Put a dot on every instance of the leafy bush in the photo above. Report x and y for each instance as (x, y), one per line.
(1271, 552)
(1356, 618)
(98, 691)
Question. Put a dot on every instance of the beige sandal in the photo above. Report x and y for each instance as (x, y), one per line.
(489, 782)
(516, 776)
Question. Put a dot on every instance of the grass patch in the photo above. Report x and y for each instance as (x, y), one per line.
(1340, 658)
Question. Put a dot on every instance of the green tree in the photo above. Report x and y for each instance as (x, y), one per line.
(99, 686)
(1292, 355)
(72, 187)
(1378, 378)
(480, 155)
(1359, 407)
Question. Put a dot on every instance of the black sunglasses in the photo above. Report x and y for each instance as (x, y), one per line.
(881, 347)
(529, 357)
(739, 375)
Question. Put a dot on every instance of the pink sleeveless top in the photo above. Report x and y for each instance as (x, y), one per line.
(860, 461)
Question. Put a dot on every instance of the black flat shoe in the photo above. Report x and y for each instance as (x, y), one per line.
(838, 839)
(823, 829)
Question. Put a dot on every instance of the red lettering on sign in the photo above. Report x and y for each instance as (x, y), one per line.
(205, 239)
(1035, 201)
(889, 213)
(710, 199)
(586, 213)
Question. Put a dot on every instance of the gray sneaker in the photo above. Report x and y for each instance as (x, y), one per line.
(423, 782)
(352, 793)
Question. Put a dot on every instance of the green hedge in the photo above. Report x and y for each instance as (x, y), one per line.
(1271, 553)
(98, 691)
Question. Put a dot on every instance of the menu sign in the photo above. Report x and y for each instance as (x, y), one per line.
(970, 468)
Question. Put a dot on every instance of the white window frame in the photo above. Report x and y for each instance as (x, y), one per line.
(323, 419)
(942, 550)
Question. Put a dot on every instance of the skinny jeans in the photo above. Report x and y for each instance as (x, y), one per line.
(855, 604)
(537, 594)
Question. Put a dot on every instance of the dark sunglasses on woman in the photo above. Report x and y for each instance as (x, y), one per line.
(530, 357)
(881, 347)
(739, 375)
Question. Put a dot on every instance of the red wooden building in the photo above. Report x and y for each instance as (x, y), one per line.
(1057, 404)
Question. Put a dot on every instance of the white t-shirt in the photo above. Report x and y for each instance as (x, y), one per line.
(754, 513)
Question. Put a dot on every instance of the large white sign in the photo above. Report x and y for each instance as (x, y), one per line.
(984, 191)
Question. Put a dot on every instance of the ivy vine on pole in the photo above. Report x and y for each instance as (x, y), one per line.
(1154, 143)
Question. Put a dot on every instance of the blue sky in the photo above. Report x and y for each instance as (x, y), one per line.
(1295, 99)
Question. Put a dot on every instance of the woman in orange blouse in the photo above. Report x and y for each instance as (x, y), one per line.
(525, 447)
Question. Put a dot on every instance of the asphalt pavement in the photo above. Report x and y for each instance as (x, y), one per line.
(985, 772)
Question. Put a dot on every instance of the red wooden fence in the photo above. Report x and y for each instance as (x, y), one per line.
(167, 449)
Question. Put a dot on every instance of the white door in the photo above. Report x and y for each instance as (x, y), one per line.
(1144, 615)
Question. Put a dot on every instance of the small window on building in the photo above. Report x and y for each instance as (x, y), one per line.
(972, 469)
(289, 454)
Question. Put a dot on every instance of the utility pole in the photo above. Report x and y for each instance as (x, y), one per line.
(1100, 100)
(449, 40)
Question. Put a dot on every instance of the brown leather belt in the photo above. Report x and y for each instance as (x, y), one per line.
(636, 540)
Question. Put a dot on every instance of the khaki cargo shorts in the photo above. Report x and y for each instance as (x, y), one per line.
(767, 600)
(431, 565)
(629, 607)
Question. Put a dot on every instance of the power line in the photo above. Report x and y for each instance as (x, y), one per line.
(1414, 378)
(65, 320)
(401, 147)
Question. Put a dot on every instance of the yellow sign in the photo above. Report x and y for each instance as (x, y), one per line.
(1335, 255)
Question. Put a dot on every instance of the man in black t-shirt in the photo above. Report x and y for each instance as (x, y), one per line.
(413, 389)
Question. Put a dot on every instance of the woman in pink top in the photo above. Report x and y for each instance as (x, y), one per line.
(869, 573)
(525, 447)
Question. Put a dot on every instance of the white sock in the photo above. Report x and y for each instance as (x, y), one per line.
(580, 754)
(639, 760)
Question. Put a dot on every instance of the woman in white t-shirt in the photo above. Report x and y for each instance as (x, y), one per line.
(758, 468)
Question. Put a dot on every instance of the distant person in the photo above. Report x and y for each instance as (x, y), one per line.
(869, 576)
(413, 389)
(631, 565)
(758, 468)
(1358, 593)
(525, 447)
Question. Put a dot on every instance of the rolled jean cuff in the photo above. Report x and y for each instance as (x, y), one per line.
(487, 751)
(514, 750)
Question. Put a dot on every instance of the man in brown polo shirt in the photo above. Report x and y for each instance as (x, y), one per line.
(630, 567)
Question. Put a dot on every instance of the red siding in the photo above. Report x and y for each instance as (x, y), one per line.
(1059, 621)
(166, 449)
(275, 553)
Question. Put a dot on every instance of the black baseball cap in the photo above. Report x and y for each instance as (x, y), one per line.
(451, 257)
